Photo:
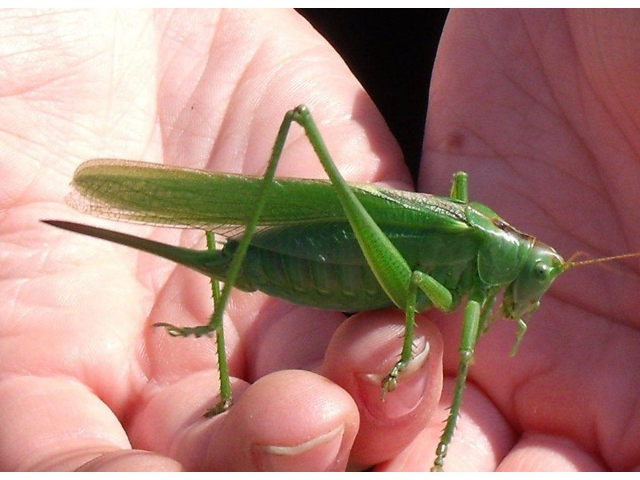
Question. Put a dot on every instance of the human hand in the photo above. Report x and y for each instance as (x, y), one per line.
(87, 382)
(540, 109)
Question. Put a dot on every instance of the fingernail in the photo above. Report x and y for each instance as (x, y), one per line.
(412, 384)
(317, 454)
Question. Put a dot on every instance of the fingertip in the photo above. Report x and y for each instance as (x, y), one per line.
(287, 421)
(361, 354)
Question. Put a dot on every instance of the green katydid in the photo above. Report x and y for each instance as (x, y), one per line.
(331, 245)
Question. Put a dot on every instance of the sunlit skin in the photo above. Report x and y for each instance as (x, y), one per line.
(544, 127)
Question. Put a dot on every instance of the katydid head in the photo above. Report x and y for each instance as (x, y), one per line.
(540, 269)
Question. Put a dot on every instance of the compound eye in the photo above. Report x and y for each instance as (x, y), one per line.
(541, 271)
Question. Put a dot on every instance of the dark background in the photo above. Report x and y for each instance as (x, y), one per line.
(391, 52)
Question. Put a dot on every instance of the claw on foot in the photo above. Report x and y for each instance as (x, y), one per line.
(390, 382)
(174, 331)
(220, 407)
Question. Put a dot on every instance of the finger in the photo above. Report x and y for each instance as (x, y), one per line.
(131, 461)
(482, 436)
(287, 421)
(57, 424)
(362, 353)
(548, 453)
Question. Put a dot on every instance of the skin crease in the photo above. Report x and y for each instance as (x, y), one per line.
(537, 107)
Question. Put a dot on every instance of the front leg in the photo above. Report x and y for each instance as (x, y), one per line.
(460, 187)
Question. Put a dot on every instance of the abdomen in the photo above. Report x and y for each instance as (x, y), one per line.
(322, 265)
(320, 284)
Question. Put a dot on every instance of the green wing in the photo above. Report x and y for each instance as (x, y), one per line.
(189, 198)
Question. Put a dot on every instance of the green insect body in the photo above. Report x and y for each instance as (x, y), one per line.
(315, 259)
(330, 245)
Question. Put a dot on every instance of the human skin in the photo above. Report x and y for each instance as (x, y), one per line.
(543, 126)
(540, 109)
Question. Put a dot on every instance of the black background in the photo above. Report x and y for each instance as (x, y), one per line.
(391, 52)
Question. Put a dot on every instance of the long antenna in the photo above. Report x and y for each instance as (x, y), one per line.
(571, 263)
